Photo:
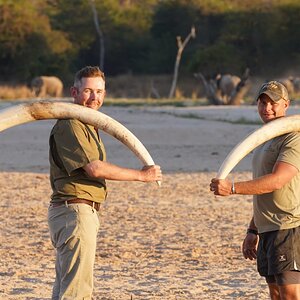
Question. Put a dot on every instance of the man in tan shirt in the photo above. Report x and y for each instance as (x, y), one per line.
(78, 169)
(273, 236)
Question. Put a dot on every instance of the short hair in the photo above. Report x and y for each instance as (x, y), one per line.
(88, 71)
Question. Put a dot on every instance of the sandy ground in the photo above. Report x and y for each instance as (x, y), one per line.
(174, 242)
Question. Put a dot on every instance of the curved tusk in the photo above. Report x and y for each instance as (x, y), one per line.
(43, 110)
(266, 132)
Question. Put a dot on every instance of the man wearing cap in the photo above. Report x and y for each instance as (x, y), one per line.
(273, 235)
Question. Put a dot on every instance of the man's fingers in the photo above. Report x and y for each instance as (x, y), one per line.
(249, 253)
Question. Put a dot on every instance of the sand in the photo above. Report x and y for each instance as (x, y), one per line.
(174, 242)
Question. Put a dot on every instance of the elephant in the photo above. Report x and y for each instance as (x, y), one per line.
(226, 84)
(43, 86)
(225, 89)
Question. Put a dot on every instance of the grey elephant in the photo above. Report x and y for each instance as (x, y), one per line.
(226, 84)
(43, 86)
(225, 89)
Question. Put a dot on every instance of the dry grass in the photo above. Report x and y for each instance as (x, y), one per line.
(177, 102)
(142, 87)
(126, 86)
(10, 92)
(152, 86)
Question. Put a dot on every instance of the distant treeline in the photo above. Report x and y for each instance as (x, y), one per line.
(56, 37)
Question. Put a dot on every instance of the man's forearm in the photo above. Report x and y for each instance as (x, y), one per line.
(258, 186)
(110, 171)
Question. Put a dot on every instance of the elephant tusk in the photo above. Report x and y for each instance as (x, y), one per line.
(43, 110)
(266, 132)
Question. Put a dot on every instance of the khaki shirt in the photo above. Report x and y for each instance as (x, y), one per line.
(73, 145)
(279, 209)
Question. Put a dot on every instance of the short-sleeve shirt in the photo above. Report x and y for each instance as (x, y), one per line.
(73, 145)
(279, 209)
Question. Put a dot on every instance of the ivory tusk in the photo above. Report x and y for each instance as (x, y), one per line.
(266, 132)
(43, 110)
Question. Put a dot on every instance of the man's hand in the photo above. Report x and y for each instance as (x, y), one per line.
(221, 187)
(249, 247)
(151, 173)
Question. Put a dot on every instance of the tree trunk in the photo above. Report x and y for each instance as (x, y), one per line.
(181, 47)
(241, 89)
(100, 35)
(210, 92)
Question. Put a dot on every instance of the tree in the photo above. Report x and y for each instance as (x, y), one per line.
(100, 35)
(181, 45)
(170, 19)
(27, 40)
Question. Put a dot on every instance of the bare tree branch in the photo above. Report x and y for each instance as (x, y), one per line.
(181, 47)
(210, 90)
(241, 89)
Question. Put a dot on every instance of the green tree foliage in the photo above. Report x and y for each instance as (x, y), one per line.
(28, 43)
(127, 34)
(124, 24)
(171, 19)
(58, 36)
(263, 35)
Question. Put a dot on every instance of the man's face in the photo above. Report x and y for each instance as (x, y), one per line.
(90, 93)
(270, 110)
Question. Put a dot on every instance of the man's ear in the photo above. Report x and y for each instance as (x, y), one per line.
(287, 103)
(73, 91)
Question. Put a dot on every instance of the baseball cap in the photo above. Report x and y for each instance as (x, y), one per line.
(275, 90)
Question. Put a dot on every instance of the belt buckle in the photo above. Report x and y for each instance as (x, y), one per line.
(96, 206)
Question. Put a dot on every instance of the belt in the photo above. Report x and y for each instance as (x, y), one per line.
(93, 204)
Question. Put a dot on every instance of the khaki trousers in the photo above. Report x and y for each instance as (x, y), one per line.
(73, 232)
